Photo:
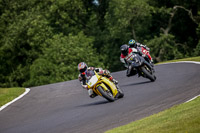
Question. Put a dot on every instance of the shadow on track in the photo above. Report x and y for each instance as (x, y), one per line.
(146, 82)
(95, 103)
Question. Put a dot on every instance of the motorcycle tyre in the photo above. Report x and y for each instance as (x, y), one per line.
(121, 93)
(105, 95)
(152, 77)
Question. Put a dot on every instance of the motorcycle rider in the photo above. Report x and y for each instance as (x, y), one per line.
(126, 56)
(135, 45)
(85, 71)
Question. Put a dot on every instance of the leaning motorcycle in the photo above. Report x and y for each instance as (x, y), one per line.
(102, 86)
(139, 65)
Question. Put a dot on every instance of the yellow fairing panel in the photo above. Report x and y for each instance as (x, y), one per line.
(110, 84)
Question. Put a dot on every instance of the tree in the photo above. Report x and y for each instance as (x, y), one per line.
(178, 18)
(164, 48)
(124, 20)
(129, 17)
(197, 49)
(25, 29)
(61, 57)
(30, 31)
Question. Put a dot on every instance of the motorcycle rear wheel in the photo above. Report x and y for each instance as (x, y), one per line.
(105, 94)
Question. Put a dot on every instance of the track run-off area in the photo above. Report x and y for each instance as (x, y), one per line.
(66, 108)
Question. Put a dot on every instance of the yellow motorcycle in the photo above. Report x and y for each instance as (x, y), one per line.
(102, 86)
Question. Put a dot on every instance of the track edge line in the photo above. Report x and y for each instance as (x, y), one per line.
(14, 100)
(195, 62)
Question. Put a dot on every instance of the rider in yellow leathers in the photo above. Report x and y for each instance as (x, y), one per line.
(85, 70)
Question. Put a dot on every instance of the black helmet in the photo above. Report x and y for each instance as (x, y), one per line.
(82, 67)
(124, 49)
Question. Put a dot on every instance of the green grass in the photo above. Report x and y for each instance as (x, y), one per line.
(185, 59)
(8, 94)
(183, 118)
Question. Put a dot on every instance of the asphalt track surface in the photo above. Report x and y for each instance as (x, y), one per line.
(66, 108)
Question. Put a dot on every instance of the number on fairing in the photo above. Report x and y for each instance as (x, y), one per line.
(93, 81)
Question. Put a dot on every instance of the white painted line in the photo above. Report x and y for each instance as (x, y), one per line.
(181, 62)
(4, 106)
(192, 99)
(185, 62)
(190, 62)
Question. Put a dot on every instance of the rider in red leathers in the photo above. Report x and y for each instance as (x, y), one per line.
(127, 55)
(143, 49)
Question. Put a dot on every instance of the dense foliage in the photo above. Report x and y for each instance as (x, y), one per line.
(42, 42)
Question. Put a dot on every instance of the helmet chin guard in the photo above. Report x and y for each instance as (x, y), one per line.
(82, 67)
(132, 43)
(124, 49)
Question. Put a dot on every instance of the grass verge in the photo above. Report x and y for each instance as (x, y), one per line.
(8, 94)
(185, 59)
(183, 118)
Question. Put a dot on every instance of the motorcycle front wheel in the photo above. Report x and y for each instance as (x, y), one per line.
(106, 94)
(148, 73)
(121, 93)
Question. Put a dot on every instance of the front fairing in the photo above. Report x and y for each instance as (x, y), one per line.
(137, 61)
(89, 74)
(105, 83)
(95, 80)
(110, 84)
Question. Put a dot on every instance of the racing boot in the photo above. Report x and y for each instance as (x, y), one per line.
(115, 81)
(138, 75)
(151, 63)
(91, 93)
